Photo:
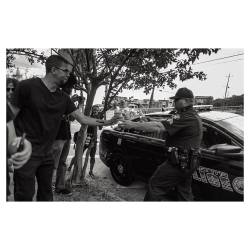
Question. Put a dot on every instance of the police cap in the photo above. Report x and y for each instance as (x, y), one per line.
(183, 93)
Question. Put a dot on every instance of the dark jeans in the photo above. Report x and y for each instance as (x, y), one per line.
(169, 183)
(62, 167)
(40, 168)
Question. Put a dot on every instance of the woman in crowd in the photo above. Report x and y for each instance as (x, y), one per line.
(15, 158)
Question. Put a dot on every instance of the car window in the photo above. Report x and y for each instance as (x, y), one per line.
(212, 136)
(234, 125)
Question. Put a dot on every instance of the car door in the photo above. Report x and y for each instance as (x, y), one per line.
(145, 151)
(218, 177)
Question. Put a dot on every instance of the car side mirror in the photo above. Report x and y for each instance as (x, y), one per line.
(227, 150)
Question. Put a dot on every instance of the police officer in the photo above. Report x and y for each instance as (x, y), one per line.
(183, 138)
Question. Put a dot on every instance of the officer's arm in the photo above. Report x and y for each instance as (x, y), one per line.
(92, 121)
(173, 127)
(145, 126)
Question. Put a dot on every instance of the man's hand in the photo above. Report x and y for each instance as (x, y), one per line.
(116, 118)
(18, 159)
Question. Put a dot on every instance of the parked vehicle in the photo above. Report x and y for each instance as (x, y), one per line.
(133, 155)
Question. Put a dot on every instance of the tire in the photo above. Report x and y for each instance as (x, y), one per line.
(121, 170)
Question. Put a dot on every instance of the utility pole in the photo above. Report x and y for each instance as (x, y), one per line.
(227, 87)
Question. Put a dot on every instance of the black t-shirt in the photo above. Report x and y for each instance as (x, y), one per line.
(64, 132)
(184, 129)
(9, 117)
(9, 113)
(41, 112)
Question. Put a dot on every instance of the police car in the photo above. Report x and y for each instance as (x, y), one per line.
(134, 155)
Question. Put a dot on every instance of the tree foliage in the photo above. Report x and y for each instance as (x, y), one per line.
(32, 55)
(120, 69)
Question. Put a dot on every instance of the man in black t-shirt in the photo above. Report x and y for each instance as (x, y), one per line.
(39, 105)
(61, 145)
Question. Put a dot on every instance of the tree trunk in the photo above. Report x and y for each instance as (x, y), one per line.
(151, 98)
(83, 173)
(76, 178)
(105, 108)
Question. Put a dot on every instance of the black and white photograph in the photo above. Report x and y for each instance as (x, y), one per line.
(126, 125)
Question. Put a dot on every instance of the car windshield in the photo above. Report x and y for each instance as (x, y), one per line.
(235, 125)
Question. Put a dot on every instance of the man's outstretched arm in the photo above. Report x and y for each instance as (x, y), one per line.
(81, 118)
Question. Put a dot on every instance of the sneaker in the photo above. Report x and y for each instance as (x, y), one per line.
(64, 191)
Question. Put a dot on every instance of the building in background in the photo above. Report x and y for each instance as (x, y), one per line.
(22, 73)
(17, 75)
(203, 100)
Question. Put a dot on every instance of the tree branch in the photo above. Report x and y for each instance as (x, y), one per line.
(122, 64)
(94, 63)
(26, 53)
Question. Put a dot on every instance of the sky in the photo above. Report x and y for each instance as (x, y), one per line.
(217, 69)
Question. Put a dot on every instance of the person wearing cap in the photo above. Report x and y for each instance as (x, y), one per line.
(183, 132)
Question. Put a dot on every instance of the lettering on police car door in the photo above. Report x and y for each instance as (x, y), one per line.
(238, 185)
(218, 179)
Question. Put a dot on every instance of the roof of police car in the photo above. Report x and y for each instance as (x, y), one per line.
(217, 115)
(209, 115)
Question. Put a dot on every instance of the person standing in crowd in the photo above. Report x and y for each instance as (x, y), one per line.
(15, 158)
(90, 142)
(92, 130)
(11, 85)
(183, 138)
(61, 145)
(39, 106)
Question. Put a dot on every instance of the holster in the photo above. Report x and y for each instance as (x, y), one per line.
(184, 159)
(195, 156)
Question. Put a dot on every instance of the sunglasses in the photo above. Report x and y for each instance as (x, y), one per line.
(8, 89)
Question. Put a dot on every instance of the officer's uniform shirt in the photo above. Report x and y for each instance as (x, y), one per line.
(184, 129)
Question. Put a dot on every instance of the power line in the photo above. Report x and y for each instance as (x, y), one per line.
(209, 65)
(229, 61)
(221, 58)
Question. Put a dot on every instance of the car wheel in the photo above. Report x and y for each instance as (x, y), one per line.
(121, 170)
